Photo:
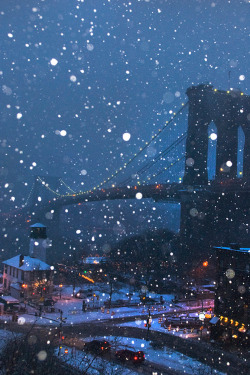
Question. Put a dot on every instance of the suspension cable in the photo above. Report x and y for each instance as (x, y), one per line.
(47, 187)
(68, 187)
(142, 148)
(161, 154)
(164, 169)
(124, 165)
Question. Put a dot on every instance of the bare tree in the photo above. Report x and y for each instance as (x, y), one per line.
(28, 354)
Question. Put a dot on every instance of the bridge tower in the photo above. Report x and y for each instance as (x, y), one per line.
(228, 110)
(218, 211)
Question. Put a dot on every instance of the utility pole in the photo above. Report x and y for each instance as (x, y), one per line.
(61, 320)
(149, 321)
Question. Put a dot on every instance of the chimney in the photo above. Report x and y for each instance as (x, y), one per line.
(21, 260)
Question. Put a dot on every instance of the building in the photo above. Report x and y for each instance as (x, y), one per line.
(29, 277)
(232, 294)
(9, 303)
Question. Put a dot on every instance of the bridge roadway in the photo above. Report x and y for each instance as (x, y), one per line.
(157, 192)
(174, 192)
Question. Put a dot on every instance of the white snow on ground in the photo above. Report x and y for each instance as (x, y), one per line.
(72, 311)
(156, 326)
(166, 357)
(72, 308)
(81, 361)
(74, 315)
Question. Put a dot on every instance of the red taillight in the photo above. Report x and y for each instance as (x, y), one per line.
(102, 347)
(135, 358)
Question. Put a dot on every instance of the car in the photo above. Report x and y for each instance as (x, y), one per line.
(49, 302)
(130, 355)
(81, 294)
(145, 299)
(97, 346)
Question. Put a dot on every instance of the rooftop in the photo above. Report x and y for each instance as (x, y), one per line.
(9, 299)
(29, 264)
(37, 225)
(240, 249)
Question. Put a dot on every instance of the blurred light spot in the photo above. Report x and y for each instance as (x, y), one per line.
(21, 320)
(53, 62)
(42, 355)
(193, 212)
(126, 137)
(138, 195)
(190, 162)
(90, 47)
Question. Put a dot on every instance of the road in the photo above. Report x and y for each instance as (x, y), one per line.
(205, 352)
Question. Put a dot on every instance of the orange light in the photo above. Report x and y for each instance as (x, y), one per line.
(66, 351)
(205, 264)
(88, 278)
(25, 286)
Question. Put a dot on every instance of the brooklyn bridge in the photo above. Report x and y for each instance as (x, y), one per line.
(214, 210)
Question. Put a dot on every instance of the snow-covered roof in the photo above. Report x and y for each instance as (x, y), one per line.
(9, 299)
(241, 249)
(15, 286)
(37, 225)
(29, 264)
(214, 320)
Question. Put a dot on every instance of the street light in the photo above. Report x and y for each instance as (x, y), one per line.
(60, 290)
